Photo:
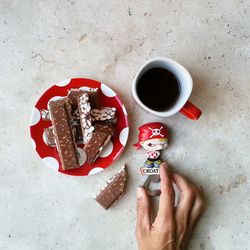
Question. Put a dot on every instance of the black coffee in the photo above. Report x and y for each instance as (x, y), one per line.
(158, 89)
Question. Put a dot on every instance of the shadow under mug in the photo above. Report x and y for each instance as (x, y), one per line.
(181, 104)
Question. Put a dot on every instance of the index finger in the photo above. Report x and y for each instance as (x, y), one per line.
(166, 203)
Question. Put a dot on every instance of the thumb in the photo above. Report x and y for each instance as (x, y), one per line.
(143, 210)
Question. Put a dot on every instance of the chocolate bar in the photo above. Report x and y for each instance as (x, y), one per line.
(95, 145)
(50, 138)
(73, 114)
(94, 100)
(75, 123)
(105, 128)
(113, 190)
(85, 119)
(93, 93)
(77, 131)
(72, 95)
(59, 114)
(103, 114)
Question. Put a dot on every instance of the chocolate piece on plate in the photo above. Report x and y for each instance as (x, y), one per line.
(84, 108)
(72, 95)
(73, 114)
(94, 97)
(93, 93)
(49, 137)
(95, 145)
(105, 128)
(66, 146)
(103, 114)
(74, 121)
(113, 190)
(76, 126)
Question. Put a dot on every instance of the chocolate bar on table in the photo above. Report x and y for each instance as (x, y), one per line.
(66, 147)
(95, 145)
(113, 190)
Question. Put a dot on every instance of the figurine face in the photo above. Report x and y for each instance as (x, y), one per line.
(155, 144)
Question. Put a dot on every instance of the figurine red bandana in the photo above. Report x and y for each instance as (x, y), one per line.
(153, 137)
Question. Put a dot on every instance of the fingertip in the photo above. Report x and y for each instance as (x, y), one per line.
(139, 193)
(200, 192)
(200, 188)
(173, 179)
(184, 185)
(175, 176)
(164, 171)
(167, 191)
(178, 178)
(164, 165)
(163, 168)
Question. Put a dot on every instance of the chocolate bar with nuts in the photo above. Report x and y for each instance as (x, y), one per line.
(103, 114)
(73, 114)
(113, 190)
(84, 108)
(49, 136)
(93, 93)
(94, 100)
(77, 131)
(105, 128)
(66, 146)
(95, 145)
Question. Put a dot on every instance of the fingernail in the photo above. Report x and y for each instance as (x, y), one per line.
(139, 193)
(165, 165)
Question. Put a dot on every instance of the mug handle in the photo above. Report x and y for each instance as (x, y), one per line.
(191, 111)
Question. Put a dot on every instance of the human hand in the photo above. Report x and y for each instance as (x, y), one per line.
(173, 226)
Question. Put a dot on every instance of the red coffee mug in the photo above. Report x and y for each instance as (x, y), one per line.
(181, 104)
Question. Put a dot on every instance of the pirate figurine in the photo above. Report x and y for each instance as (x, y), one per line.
(153, 137)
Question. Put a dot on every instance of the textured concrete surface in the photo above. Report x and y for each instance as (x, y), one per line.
(42, 42)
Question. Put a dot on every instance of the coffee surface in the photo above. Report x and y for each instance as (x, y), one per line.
(158, 89)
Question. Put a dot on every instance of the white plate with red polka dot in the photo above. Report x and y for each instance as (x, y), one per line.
(112, 150)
